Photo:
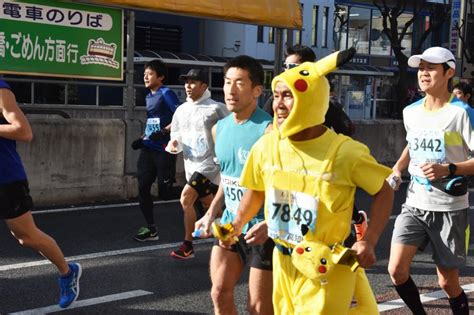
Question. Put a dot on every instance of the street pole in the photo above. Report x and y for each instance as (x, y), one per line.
(129, 72)
(278, 51)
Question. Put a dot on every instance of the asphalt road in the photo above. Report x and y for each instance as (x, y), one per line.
(122, 276)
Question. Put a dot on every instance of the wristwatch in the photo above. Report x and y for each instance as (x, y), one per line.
(452, 168)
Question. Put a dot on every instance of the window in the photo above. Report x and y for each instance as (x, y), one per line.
(407, 39)
(359, 26)
(314, 29)
(324, 39)
(379, 42)
(340, 27)
(260, 34)
(298, 37)
(271, 35)
(299, 34)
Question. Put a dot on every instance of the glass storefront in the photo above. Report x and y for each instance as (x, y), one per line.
(368, 94)
(362, 27)
(359, 29)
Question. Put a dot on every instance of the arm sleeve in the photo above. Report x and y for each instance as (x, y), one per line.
(175, 126)
(171, 100)
(365, 172)
(467, 131)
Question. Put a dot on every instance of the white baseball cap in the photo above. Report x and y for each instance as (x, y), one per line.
(433, 55)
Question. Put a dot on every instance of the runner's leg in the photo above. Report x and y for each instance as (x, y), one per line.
(225, 268)
(260, 292)
(27, 233)
(188, 197)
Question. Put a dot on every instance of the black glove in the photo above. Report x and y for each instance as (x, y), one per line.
(137, 144)
(161, 134)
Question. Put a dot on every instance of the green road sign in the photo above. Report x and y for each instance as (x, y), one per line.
(61, 39)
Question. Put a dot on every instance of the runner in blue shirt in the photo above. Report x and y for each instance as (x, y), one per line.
(15, 200)
(154, 163)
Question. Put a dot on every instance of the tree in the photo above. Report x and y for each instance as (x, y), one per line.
(390, 12)
(463, 30)
(340, 21)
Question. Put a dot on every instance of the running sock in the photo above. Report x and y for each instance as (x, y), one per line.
(358, 218)
(459, 304)
(69, 273)
(188, 244)
(152, 228)
(411, 296)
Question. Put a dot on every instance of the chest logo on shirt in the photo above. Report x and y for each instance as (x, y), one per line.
(242, 154)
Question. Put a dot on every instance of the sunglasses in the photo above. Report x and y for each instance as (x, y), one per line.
(288, 66)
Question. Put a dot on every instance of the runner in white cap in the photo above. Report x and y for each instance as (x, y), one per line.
(439, 135)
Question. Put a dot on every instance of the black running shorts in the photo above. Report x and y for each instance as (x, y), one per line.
(258, 256)
(202, 185)
(15, 199)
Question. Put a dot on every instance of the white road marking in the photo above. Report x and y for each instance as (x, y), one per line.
(88, 302)
(103, 254)
(72, 209)
(431, 296)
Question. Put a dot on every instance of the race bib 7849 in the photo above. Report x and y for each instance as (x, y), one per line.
(287, 211)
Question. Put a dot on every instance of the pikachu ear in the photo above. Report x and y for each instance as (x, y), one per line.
(344, 56)
(333, 61)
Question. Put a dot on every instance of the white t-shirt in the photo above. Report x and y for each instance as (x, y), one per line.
(442, 136)
(191, 126)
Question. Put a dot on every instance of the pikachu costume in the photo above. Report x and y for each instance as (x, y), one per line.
(312, 183)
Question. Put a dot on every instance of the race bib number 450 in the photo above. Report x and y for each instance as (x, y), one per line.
(287, 211)
(426, 146)
(233, 192)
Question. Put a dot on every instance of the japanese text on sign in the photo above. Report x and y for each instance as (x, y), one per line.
(35, 13)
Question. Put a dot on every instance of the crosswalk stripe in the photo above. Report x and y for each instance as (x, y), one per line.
(103, 254)
(427, 297)
(87, 302)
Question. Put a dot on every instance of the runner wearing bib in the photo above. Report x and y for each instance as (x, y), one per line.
(234, 137)
(306, 175)
(154, 163)
(191, 133)
(439, 135)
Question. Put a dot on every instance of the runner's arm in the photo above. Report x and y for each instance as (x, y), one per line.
(18, 127)
(380, 211)
(215, 210)
(249, 205)
(402, 162)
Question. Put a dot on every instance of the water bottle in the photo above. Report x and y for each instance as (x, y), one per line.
(198, 233)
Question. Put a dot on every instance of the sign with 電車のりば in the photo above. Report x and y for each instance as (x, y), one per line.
(61, 39)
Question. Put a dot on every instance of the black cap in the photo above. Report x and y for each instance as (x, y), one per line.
(195, 74)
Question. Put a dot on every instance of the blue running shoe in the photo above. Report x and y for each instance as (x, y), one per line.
(69, 285)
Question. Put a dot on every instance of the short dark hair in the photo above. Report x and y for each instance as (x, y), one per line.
(158, 66)
(446, 67)
(304, 52)
(465, 88)
(252, 65)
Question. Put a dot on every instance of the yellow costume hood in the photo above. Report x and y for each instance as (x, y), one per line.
(310, 90)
